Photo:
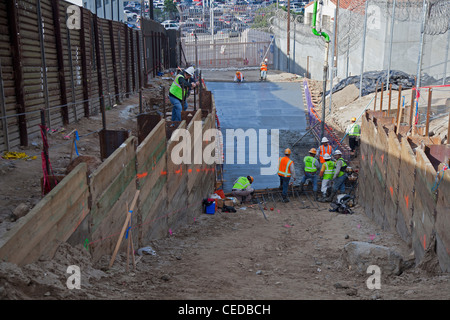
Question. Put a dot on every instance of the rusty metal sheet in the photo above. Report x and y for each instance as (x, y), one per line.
(146, 123)
(110, 140)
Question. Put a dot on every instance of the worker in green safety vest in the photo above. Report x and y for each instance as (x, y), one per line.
(326, 173)
(354, 132)
(312, 165)
(340, 176)
(178, 92)
(242, 189)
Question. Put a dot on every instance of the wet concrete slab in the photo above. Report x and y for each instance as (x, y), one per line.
(253, 107)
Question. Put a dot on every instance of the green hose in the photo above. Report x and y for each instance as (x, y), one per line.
(322, 34)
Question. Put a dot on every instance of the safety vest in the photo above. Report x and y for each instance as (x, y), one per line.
(175, 88)
(310, 164)
(355, 131)
(241, 183)
(239, 76)
(329, 170)
(343, 167)
(264, 67)
(322, 151)
(284, 168)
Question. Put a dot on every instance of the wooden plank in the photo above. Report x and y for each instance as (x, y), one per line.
(111, 167)
(18, 243)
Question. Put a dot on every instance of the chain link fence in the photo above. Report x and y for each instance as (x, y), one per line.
(393, 35)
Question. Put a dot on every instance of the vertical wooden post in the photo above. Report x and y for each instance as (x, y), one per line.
(399, 103)
(381, 97)
(448, 130)
(390, 99)
(16, 49)
(413, 97)
(428, 112)
(375, 101)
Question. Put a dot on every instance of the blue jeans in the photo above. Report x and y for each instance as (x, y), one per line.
(313, 176)
(284, 184)
(263, 74)
(177, 107)
(339, 183)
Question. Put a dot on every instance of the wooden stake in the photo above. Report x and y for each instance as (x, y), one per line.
(399, 118)
(399, 101)
(428, 112)
(124, 228)
(390, 98)
(375, 102)
(448, 131)
(381, 97)
(413, 97)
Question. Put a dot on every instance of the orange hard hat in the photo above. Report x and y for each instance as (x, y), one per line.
(313, 150)
(353, 119)
(287, 151)
(250, 178)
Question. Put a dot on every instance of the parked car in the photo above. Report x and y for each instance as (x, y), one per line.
(171, 26)
(130, 15)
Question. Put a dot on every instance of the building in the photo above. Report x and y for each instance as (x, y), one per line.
(328, 9)
(109, 9)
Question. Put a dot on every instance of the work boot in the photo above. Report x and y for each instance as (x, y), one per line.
(330, 198)
(285, 199)
(316, 196)
(322, 199)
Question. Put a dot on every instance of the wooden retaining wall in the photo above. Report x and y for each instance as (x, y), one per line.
(92, 211)
(408, 189)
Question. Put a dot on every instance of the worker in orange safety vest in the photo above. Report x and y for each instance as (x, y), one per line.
(286, 170)
(324, 148)
(263, 70)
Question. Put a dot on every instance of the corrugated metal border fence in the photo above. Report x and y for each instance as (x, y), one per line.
(66, 61)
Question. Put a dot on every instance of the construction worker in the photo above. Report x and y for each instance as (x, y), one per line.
(242, 189)
(264, 70)
(311, 167)
(238, 77)
(326, 173)
(286, 170)
(339, 177)
(324, 148)
(354, 132)
(178, 92)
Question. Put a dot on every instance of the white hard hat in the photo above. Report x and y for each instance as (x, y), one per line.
(265, 59)
(326, 156)
(190, 71)
(324, 139)
(338, 152)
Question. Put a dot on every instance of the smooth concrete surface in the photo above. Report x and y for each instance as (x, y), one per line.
(252, 107)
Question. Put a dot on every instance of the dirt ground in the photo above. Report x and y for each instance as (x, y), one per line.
(296, 254)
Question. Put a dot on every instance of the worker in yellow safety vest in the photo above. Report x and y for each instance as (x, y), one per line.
(178, 92)
(242, 189)
(340, 176)
(326, 173)
(324, 148)
(354, 133)
(286, 170)
(311, 167)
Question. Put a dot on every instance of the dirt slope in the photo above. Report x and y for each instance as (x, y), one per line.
(295, 254)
